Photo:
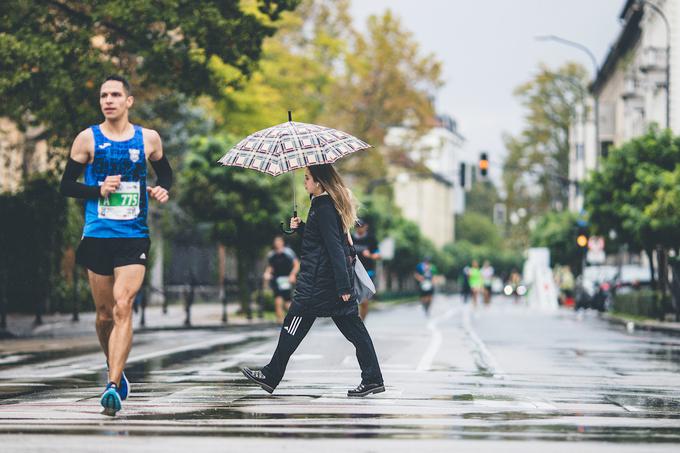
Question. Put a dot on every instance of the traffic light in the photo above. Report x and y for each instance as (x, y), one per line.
(483, 164)
(582, 237)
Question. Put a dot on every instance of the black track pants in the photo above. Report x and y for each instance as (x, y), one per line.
(294, 330)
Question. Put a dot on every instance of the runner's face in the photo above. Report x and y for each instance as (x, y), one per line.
(278, 244)
(113, 99)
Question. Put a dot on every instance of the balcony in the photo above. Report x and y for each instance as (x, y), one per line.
(632, 88)
(653, 59)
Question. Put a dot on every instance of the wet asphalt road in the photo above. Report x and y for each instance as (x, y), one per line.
(499, 378)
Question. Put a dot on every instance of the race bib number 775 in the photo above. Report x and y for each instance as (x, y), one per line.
(123, 204)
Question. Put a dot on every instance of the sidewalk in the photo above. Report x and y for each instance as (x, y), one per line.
(672, 328)
(203, 315)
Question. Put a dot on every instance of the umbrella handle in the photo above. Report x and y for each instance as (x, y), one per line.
(288, 230)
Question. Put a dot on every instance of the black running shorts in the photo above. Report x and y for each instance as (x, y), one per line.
(285, 294)
(101, 255)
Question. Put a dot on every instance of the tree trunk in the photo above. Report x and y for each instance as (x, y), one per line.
(221, 268)
(650, 257)
(662, 266)
(244, 266)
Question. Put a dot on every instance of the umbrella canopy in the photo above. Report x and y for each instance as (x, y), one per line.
(291, 145)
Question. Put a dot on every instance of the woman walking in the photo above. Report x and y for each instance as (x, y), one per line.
(324, 284)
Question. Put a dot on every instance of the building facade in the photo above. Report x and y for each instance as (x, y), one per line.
(630, 87)
(429, 191)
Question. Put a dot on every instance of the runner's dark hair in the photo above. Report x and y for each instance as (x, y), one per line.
(121, 79)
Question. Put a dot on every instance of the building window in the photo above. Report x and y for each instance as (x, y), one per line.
(605, 148)
(579, 151)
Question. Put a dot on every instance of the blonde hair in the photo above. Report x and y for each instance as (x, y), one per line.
(342, 196)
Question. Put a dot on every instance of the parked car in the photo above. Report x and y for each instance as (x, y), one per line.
(631, 277)
(594, 287)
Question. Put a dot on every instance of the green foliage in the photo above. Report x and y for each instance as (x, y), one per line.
(481, 198)
(644, 302)
(54, 53)
(242, 207)
(477, 229)
(461, 253)
(664, 210)
(537, 163)
(557, 231)
(633, 193)
(33, 230)
(323, 69)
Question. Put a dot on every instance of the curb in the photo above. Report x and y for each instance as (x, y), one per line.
(245, 326)
(654, 326)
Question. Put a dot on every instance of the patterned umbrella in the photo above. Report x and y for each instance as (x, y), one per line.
(291, 145)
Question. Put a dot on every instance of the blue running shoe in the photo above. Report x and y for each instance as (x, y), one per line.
(124, 389)
(110, 400)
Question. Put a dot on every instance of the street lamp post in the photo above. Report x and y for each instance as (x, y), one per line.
(668, 57)
(596, 98)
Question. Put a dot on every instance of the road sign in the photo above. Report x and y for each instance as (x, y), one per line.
(596, 253)
(386, 247)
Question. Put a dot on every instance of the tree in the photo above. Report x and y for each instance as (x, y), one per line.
(557, 231)
(631, 187)
(242, 206)
(320, 67)
(664, 210)
(477, 229)
(481, 198)
(54, 53)
(535, 173)
(385, 81)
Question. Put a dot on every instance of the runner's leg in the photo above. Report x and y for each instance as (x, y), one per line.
(278, 307)
(102, 293)
(363, 309)
(128, 281)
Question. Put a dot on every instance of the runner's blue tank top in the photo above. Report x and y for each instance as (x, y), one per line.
(123, 213)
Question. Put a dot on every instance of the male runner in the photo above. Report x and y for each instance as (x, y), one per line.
(425, 272)
(368, 252)
(281, 273)
(115, 243)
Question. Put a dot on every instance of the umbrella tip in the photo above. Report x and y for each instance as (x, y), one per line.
(290, 117)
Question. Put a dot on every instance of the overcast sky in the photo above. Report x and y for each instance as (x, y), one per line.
(488, 48)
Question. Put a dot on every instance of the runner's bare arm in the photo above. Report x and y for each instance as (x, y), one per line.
(160, 164)
(82, 149)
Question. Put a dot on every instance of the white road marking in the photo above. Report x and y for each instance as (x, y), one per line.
(436, 340)
(488, 361)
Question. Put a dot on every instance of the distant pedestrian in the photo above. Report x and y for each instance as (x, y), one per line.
(425, 272)
(476, 282)
(280, 275)
(515, 282)
(324, 284)
(368, 252)
(465, 288)
(566, 286)
(487, 272)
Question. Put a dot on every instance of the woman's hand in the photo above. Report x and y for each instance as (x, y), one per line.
(345, 297)
(294, 223)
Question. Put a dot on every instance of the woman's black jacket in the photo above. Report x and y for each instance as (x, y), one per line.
(326, 270)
